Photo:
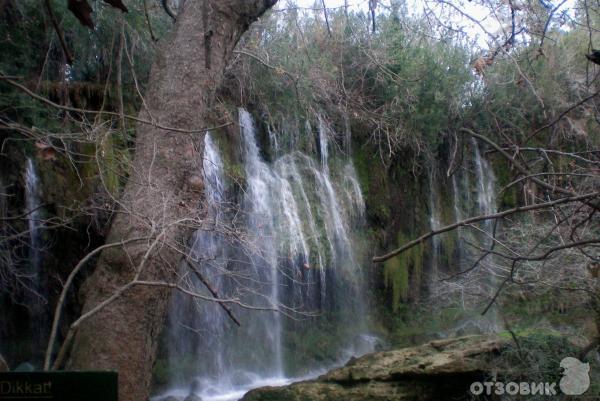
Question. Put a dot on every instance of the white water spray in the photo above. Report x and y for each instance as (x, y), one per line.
(296, 256)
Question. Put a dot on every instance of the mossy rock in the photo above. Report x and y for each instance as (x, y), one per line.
(433, 371)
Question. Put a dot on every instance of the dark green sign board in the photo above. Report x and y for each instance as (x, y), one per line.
(58, 386)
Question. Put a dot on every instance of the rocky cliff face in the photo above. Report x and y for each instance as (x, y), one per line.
(438, 370)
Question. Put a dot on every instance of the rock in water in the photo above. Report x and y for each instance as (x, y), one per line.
(3, 365)
(439, 370)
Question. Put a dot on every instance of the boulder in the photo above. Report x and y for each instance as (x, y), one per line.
(441, 369)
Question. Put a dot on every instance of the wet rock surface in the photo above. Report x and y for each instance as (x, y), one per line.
(441, 369)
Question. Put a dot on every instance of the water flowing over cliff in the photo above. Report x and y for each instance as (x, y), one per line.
(35, 278)
(32, 205)
(472, 193)
(284, 247)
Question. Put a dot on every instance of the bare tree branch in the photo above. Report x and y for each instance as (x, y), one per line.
(471, 220)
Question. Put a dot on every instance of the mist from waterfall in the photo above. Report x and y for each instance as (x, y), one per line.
(284, 249)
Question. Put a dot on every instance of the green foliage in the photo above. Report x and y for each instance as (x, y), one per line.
(417, 84)
(400, 270)
(404, 94)
(396, 276)
(414, 324)
(313, 346)
(374, 183)
(94, 151)
(228, 148)
(537, 358)
(543, 352)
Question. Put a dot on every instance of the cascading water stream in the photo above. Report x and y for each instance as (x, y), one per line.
(323, 146)
(473, 194)
(435, 223)
(486, 201)
(458, 205)
(32, 204)
(36, 292)
(35, 289)
(295, 256)
(486, 198)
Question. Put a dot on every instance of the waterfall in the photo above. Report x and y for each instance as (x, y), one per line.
(36, 291)
(457, 202)
(294, 256)
(457, 199)
(213, 176)
(473, 193)
(486, 192)
(435, 222)
(273, 142)
(32, 205)
(264, 189)
(196, 325)
(353, 191)
(36, 286)
(486, 204)
(323, 144)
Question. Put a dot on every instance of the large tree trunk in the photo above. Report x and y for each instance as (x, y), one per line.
(163, 188)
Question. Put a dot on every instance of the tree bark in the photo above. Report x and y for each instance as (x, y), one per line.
(162, 190)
